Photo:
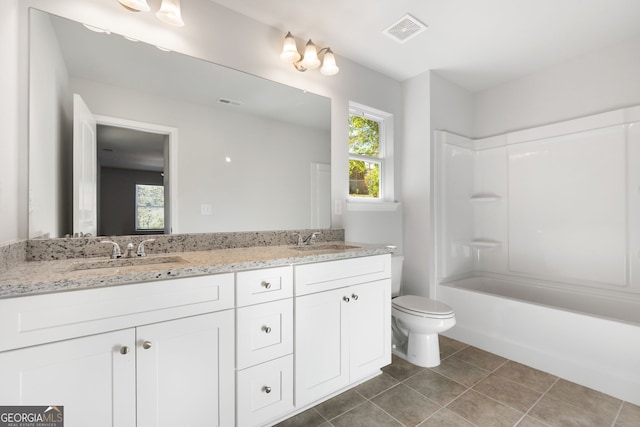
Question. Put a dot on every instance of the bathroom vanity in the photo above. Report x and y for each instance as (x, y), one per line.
(249, 344)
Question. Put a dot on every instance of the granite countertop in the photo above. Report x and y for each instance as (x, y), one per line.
(37, 277)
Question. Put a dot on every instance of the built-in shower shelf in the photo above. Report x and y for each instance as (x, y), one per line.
(484, 198)
(485, 243)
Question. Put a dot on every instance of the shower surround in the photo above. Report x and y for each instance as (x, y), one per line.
(537, 246)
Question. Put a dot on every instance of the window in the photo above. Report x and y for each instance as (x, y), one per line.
(370, 147)
(149, 207)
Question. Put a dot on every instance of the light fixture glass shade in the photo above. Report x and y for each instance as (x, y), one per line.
(310, 59)
(289, 49)
(329, 67)
(136, 5)
(170, 13)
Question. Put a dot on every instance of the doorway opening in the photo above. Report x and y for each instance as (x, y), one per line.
(136, 177)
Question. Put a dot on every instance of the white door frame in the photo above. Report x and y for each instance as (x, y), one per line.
(172, 171)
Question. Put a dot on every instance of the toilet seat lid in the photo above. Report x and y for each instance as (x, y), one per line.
(422, 306)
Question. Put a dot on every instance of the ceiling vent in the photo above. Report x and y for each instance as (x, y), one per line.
(228, 101)
(405, 29)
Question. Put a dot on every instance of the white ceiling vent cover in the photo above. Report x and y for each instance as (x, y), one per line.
(405, 29)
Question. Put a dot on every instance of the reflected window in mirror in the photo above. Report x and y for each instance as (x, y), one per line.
(149, 207)
(370, 162)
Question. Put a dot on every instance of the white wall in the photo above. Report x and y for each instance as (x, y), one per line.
(13, 215)
(416, 172)
(208, 30)
(602, 80)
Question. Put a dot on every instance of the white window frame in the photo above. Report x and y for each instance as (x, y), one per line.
(385, 200)
(136, 209)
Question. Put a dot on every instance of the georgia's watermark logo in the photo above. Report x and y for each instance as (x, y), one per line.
(32, 416)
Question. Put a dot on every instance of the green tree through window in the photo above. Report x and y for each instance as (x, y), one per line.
(149, 207)
(364, 154)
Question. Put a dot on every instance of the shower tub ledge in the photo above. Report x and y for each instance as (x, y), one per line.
(588, 339)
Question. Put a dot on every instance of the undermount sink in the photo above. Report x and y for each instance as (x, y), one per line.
(126, 262)
(327, 247)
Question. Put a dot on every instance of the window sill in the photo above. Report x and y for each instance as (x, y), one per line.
(371, 206)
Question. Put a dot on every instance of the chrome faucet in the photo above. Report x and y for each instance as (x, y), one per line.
(311, 240)
(129, 253)
(141, 251)
(117, 253)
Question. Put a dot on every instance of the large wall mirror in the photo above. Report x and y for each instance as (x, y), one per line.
(151, 141)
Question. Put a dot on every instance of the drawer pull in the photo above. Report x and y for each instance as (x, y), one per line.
(345, 299)
(124, 349)
(355, 297)
(266, 329)
(146, 345)
(266, 285)
(266, 389)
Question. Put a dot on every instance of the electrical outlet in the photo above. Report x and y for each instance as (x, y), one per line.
(337, 207)
(205, 209)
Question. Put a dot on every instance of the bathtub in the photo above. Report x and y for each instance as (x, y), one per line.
(589, 339)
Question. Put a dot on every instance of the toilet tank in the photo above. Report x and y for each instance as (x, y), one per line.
(396, 274)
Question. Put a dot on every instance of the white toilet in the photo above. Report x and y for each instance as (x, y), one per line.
(416, 322)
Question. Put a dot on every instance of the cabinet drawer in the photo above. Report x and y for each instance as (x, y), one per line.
(269, 284)
(52, 317)
(265, 392)
(323, 276)
(263, 332)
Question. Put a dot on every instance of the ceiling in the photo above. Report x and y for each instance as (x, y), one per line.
(476, 44)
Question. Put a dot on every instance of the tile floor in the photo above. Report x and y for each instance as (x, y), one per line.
(471, 387)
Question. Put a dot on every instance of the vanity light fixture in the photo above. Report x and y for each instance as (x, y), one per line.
(135, 5)
(169, 12)
(310, 59)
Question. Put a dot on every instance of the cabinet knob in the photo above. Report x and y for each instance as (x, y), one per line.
(266, 285)
(124, 349)
(266, 329)
(146, 345)
(355, 297)
(266, 389)
(345, 299)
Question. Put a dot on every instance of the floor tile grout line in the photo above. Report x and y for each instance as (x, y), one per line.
(538, 401)
(445, 409)
(515, 382)
(322, 416)
(394, 418)
(347, 411)
(615, 419)
(558, 379)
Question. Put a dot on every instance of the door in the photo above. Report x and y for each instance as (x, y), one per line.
(185, 372)
(370, 324)
(85, 169)
(92, 377)
(321, 345)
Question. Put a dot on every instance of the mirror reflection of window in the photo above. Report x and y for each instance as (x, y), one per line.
(149, 207)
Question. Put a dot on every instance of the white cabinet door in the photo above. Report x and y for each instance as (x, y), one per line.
(89, 376)
(321, 358)
(185, 371)
(370, 328)
(342, 336)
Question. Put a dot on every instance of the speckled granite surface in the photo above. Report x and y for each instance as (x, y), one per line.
(36, 277)
(89, 247)
(13, 254)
